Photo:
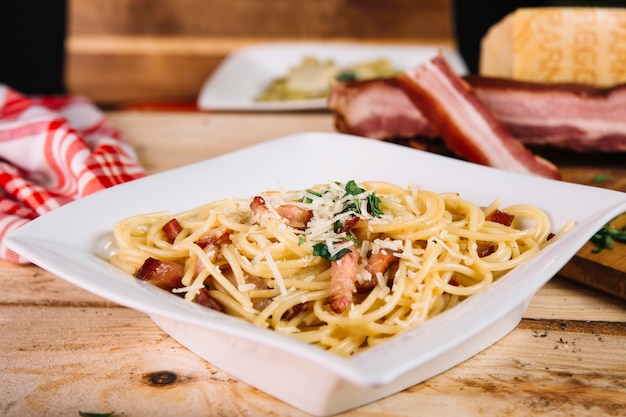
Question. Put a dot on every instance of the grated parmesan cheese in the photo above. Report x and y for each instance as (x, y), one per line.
(246, 287)
(277, 275)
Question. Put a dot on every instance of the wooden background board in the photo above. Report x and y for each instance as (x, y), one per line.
(127, 50)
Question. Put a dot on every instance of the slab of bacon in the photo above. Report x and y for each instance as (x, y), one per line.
(575, 117)
(378, 109)
(570, 116)
(464, 123)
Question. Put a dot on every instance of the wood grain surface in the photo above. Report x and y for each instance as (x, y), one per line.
(63, 349)
(73, 351)
(142, 50)
(605, 270)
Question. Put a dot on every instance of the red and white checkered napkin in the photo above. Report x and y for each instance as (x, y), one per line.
(53, 150)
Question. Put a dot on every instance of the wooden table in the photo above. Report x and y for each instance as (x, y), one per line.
(63, 349)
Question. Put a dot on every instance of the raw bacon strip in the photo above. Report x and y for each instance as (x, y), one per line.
(466, 125)
(377, 109)
(576, 117)
(570, 116)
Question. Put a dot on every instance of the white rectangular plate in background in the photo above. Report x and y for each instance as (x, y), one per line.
(240, 78)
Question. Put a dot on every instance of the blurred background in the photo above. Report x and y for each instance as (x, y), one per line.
(127, 50)
(32, 54)
(123, 50)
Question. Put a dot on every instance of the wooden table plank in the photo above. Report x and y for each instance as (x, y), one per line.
(87, 358)
(169, 140)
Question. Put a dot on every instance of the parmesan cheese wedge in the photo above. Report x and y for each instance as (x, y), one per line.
(558, 44)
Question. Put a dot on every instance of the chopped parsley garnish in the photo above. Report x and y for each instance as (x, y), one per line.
(354, 200)
(321, 249)
(599, 178)
(309, 200)
(353, 189)
(373, 205)
(607, 236)
(346, 76)
(372, 201)
(353, 207)
(352, 239)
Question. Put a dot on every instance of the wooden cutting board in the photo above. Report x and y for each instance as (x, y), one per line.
(605, 270)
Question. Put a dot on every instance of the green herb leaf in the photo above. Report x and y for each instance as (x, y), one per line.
(606, 237)
(309, 200)
(321, 249)
(373, 205)
(342, 77)
(599, 178)
(352, 239)
(353, 189)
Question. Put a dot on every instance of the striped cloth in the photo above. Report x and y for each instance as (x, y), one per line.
(53, 150)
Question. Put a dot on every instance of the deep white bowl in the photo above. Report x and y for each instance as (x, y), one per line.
(68, 242)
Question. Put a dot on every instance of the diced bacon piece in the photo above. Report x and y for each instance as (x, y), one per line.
(216, 236)
(211, 242)
(203, 298)
(347, 224)
(465, 124)
(294, 311)
(166, 275)
(257, 205)
(171, 229)
(485, 249)
(378, 262)
(297, 217)
(501, 217)
(259, 284)
(343, 274)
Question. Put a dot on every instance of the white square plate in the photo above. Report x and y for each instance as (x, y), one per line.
(68, 242)
(244, 74)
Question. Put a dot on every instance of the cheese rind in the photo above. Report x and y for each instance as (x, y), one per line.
(553, 44)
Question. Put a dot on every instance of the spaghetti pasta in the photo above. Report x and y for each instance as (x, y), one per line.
(341, 265)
